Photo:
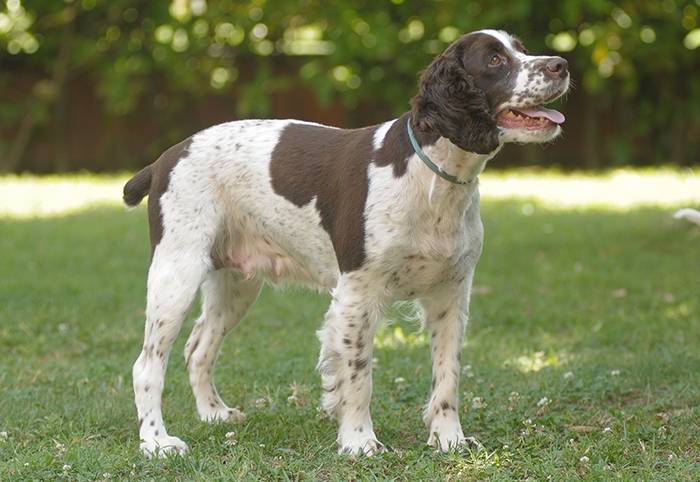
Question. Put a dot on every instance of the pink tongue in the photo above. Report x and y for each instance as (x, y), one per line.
(536, 112)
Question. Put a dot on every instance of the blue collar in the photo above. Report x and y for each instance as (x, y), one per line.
(433, 167)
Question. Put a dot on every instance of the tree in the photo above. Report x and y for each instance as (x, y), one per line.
(638, 60)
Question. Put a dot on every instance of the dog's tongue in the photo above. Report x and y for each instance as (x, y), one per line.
(536, 112)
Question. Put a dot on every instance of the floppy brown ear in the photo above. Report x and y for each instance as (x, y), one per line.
(450, 105)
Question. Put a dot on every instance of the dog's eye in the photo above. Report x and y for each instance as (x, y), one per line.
(495, 60)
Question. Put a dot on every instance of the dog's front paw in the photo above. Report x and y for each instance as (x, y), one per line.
(454, 442)
(223, 414)
(367, 447)
(163, 447)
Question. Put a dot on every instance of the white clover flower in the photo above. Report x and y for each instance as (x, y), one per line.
(60, 448)
(607, 431)
(260, 403)
(3, 436)
(543, 405)
(615, 373)
(478, 403)
(467, 370)
(66, 467)
(231, 438)
(584, 460)
(568, 375)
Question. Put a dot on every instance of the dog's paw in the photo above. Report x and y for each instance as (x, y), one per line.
(224, 414)
(367, 447)
(163, 447)
(469, 444)
(457, 443)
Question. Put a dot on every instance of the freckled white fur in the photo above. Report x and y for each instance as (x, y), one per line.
(379, 136)
(226, 231)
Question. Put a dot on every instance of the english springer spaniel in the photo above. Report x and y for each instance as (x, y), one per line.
(375, 215)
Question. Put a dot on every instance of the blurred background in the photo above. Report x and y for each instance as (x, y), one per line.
(107, 85)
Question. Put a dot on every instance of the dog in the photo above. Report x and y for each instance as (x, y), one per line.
(375, 215)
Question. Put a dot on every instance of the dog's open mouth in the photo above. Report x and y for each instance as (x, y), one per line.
(529, 118)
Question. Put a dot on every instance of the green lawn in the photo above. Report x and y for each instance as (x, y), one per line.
(582, 359)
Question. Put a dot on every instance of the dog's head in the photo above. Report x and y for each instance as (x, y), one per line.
(485, 90)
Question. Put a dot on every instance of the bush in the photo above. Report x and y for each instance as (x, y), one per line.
(636, 62)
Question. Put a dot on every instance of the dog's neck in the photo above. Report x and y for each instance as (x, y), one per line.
(466, 166)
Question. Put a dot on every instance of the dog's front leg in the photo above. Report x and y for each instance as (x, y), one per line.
(345, 365)
(445, 323)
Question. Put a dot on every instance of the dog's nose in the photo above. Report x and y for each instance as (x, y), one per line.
(557, 66)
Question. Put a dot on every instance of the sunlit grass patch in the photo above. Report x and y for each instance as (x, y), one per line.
(620, 190)
(43, 196)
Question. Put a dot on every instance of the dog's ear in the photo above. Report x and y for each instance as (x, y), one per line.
(450, 105)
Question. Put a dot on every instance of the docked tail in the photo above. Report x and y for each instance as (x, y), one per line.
(137, 187)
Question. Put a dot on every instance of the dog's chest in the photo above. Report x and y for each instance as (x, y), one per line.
(418, 275)
(433, 253)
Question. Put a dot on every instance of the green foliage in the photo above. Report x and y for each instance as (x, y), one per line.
(639, 59)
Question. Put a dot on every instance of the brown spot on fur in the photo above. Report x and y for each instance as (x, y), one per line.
(154, 180)
(194, 346)
(329, 165)
(361, 364)
(397, 148)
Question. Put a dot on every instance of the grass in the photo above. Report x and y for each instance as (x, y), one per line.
(581, 359)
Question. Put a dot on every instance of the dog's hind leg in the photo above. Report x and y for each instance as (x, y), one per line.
(226, 299)
(173, 280)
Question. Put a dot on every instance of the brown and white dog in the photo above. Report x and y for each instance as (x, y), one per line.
(375, 215)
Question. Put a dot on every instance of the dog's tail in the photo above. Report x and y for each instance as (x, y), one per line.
(137, 187)
(690, 214)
